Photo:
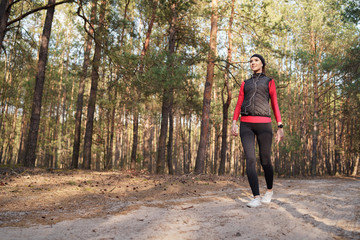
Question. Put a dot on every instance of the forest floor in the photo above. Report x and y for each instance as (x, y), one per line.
(77, 204)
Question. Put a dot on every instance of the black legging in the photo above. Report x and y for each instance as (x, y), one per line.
(263, 132)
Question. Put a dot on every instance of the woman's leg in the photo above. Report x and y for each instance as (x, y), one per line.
(248, 141)
(264, 138)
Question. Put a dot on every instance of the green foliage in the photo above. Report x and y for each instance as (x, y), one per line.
(350, 10)
(302, 41)
(351, 62)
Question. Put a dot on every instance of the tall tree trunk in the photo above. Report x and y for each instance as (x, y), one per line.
(304, 125)
(135, 140)
(112, 118)
(49, 136)
(167, 96)
(338, 142)
(39, 86)
(5, 8)
(315, 133)
(57, 120)
(118, 142)
(355, 154)
(228, 100)
(214, 167)
(141, 69)
(182, 132)
(24, 125)
(160, 161)
(10, 146)
(133, 155)
(93, 91)
(146, 144)
(336, 152)
(150, 143)
(148, 34)
(176, 144)
(201, 153)
(8, 77)
(56, 148)
(125, 142)
(170, 141)
(356, 166)
(109, 163)
(315, 129)
(59, 155)
(80, 98)
(188, 159)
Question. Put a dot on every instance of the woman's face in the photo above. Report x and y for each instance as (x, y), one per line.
(256, 64)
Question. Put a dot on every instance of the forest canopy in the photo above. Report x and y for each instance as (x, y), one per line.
(121, 84)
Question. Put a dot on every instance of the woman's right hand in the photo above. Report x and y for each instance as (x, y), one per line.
(234, 129)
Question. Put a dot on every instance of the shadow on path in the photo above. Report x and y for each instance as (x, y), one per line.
(336, 230)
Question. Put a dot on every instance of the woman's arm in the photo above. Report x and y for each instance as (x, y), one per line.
(234, 129)
(239, 102)
(276, 110)
(274, 101)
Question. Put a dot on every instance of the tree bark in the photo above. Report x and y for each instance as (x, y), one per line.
(160, 161)
(5, 8)
(39, 86)
(315, 132)
(188, 158)
(214, 165)
(228, 101)
(170, 141)
(117, 149)
(125, 142)
(148, 34)
(109, 161)
(167, 96)
(10, 146)
(57, 120)
(135, 140)
(150, 143)
(80, 98)
(93, 90)
(201, 153)
(176, 144)
(23, 137)
(141, 69)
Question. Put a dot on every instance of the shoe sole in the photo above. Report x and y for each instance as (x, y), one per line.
(253, 206)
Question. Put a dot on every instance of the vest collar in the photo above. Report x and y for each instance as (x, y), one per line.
(258, 75)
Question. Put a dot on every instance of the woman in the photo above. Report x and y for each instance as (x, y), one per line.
(253, 103)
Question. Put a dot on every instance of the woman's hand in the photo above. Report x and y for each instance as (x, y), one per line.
(234, 128)
(279, 135)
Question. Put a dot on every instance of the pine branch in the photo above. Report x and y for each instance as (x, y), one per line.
(36, 10)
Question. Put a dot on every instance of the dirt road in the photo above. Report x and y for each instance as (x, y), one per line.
(177, 208)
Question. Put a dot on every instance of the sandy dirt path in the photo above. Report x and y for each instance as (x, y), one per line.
(301, 209)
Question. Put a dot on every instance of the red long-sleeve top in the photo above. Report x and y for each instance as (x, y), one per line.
(258, 119)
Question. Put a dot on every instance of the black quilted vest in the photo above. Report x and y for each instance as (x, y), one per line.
(256, 96)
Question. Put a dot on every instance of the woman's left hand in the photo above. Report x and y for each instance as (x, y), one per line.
(234, 129)
(279, 135)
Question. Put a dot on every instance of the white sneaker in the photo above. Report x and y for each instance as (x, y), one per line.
(254, 203)
(267, 197)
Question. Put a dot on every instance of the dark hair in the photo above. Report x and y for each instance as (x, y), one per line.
(262, 59)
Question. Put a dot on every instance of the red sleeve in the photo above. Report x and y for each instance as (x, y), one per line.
(274, 101)
(239, 102)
